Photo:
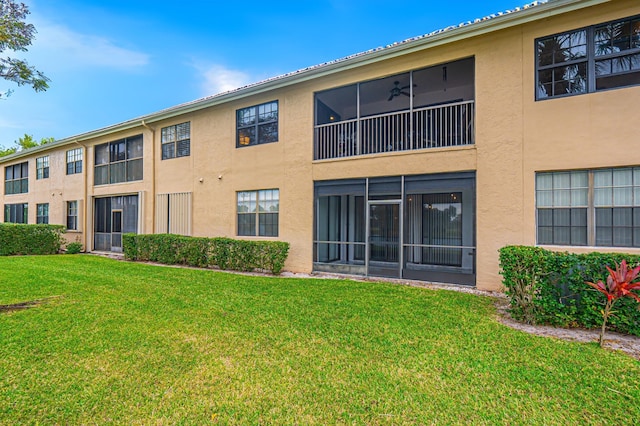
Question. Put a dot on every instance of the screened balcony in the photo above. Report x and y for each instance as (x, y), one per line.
(428, 108)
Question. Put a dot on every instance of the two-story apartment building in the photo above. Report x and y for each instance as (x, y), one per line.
(418, 160)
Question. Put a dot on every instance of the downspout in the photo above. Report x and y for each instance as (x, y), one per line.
(153, 175)
(85, 206)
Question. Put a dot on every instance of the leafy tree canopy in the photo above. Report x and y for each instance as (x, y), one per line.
(25, 142)
(16, 35)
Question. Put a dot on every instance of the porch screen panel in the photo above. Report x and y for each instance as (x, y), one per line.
(344, 187)
(358, 225)
(438, 182)
(385, 188)
(130, 214)
(442, 226)
(384, 232)
(329, 228)
(340, 221)
(102, 224)
(413, 228)
(434, 229)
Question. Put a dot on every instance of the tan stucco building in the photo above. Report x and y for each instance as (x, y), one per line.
(418, 160)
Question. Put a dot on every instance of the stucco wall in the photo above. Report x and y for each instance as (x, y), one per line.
(515, 137)
(55, 190)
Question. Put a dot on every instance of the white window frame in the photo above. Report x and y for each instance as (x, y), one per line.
(42, 167)
(616, 188)
(261, 204)
(74, 159)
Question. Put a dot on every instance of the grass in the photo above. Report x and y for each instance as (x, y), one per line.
(125, 343)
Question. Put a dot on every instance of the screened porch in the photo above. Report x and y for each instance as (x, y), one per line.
(428, 108)
(416, 227)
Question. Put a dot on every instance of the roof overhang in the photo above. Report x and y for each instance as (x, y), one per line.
(448, 35)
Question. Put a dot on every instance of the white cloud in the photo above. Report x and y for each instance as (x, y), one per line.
(70, 49)
(218, 79)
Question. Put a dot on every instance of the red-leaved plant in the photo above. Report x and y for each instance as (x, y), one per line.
(620, 283)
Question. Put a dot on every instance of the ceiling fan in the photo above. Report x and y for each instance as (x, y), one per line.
(397, 90)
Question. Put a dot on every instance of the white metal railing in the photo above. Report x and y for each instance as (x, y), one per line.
(438, 126)
(336, 140)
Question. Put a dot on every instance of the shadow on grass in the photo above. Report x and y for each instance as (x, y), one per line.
(25, 305)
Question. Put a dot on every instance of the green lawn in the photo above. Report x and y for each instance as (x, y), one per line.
(129, 343)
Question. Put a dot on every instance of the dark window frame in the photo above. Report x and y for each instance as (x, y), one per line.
(260, 223)
(42, 213)
(42, 167)
(252, 130)
(175, 141)
(19, 185)
(13, 212)
(74, 161)
(118, 155)
(589, 60)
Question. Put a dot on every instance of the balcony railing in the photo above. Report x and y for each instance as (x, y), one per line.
(439, 126)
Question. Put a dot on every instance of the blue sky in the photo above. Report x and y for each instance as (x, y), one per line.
(110, 61)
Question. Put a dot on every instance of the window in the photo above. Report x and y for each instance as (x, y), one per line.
(562, 201)
(74, 161)
(119, 161)
(42, 213)
(176, 141)
(72, 215)
(589, 207)
(617, 53)
(562, 64)
(617, 207)
(16, 179)
(257, 124)
(42, 167)
(16, 213)
(586, 60)
(258, 213)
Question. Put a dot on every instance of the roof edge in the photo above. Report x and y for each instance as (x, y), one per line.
(528, 13)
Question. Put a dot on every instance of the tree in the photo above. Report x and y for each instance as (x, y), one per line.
(16, 35)
(25, 142)
(7, 151)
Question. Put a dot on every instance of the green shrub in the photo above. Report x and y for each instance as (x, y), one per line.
(19, 239)
(525, 267)
(74, 247)
(557, 294)
(224, 253)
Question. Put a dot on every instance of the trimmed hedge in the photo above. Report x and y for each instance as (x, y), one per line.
(547, 287)
(20, 239)
(224, 253)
